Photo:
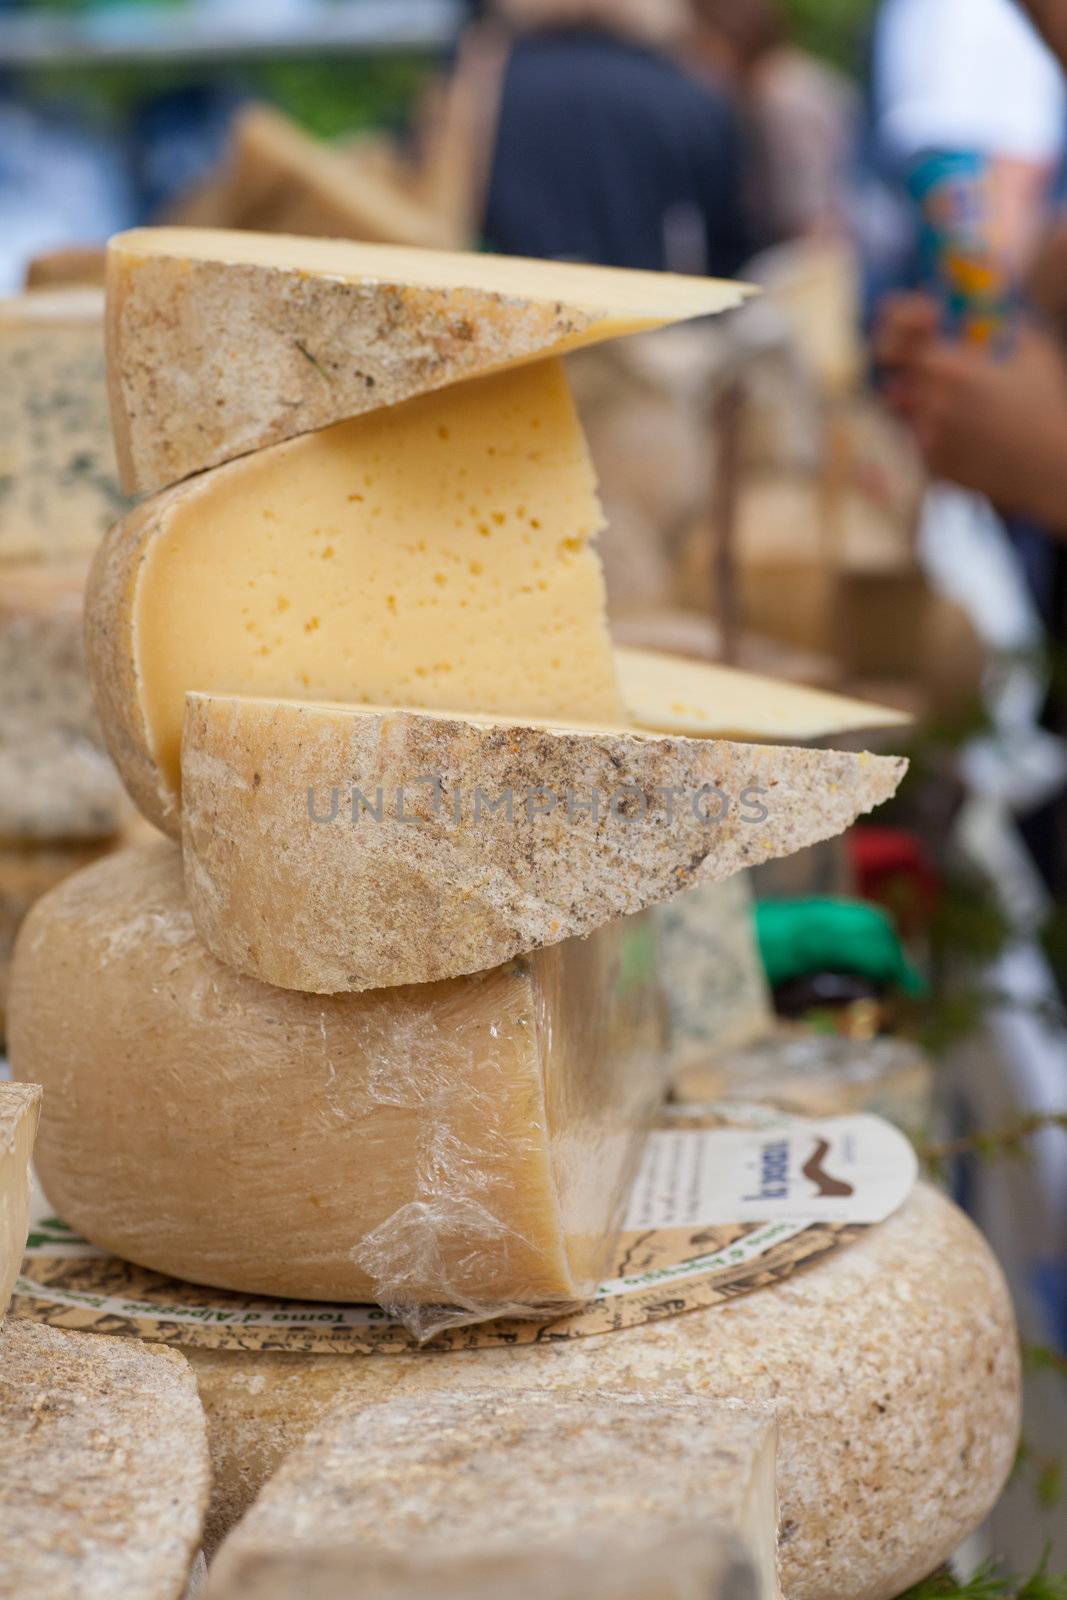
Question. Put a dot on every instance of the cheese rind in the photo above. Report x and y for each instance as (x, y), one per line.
(333, 848)
(699, 1562)
(436, 554)
(890, 1453)
(56, 783)
(676, 694)
(26, 873)
(104, 1473)
(58, 482)
(467, 1144)
(20, 1108)
(456, 1477)
(220, 343)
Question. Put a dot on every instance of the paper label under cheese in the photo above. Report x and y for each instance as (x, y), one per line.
(715, 1212)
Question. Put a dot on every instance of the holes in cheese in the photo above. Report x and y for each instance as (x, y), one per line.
(337, 848)
(222, 342)
(465, 1144)
(437, 554)
(20, 1105)
(524, 1476)
(674, 694)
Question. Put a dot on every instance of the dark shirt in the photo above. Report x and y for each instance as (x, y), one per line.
(610, 153)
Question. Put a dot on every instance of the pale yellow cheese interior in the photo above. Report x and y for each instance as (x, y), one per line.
(19, 1108)
(435, 554)
(617, 300)
(699, 699)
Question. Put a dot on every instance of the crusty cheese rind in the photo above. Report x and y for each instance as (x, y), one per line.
(104, 1471)
(111, 657)
(890, 1453)
(462, 1476)
(20, 1108)
(292, 882)
(220, 343)
(694, 1562)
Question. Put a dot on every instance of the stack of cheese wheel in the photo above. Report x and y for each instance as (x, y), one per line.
(60, 800)
(381, 1021)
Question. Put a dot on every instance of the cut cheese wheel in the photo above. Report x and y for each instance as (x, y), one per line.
(890, 1451)
(20, 1106)
(104, 1472)
(697, 1562)
(674, 694)
(58, 482)
(436, 554)
(222, 342)
(452, 1477)
(468, 1144)
(334, 848)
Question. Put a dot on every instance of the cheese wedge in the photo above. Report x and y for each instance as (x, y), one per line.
(452, 1478)
(104, 1471)
(700, 1562)
(58, 481)
(889, 1455)
(334, 848)
(467, 1144)
(20, 1107)
(220, 343)
(674, 694)
(435, 554)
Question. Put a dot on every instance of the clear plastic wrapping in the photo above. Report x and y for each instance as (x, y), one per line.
(454, 1151)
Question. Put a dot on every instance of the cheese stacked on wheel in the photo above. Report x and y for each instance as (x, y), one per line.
(352, 652)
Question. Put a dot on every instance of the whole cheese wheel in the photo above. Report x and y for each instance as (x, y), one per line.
(468, 1144)
(892, 1367)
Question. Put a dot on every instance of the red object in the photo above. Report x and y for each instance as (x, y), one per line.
(892, 868)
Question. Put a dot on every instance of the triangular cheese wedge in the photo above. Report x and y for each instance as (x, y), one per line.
(222, 342)
(333, 848)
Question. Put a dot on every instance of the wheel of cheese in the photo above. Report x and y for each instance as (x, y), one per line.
(465, 1144)
(893, 1368)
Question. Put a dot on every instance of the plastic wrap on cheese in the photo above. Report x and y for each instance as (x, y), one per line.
(454, 1151)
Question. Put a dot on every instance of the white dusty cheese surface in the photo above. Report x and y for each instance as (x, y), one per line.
(456, 1477)
(220, 342)
(59, 487)
(463, 842)
(104, 1471)
(892, 1369)
(469, 1144)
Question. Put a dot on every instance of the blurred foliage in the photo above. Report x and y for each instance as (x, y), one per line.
(836, 29)
(990, 1582)
(329, 98)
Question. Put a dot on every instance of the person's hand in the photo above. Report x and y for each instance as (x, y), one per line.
(998, 426)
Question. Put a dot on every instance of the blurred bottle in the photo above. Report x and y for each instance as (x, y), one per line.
(962, 260)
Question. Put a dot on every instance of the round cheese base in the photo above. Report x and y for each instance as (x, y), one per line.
(893, 1368)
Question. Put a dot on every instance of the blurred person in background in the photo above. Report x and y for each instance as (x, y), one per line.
(801, 113)
(971, 116)
(600, 145)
